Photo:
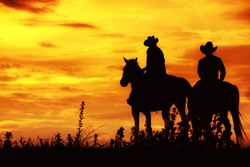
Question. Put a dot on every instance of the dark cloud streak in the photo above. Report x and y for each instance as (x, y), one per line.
(6, 78)
(47, 44)
(125, 51)
(33, 6)
(243, 15)
(78, 25)
(240, 15)
(112, 35)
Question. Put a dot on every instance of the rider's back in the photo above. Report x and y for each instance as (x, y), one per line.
(155, 62)
(209, 68)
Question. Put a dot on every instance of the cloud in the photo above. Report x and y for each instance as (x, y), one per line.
(17, 102)
(115, 67)
(47, 44)
(234, 55)
(237, 13)
(68, 89)
(4, 66)
(6, 78)
(112, 35)
(35, 21)
(78, 25)
(125, 51)
(139, 3)
(243, 15)
(33, 6)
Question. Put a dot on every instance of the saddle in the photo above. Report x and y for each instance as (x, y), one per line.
(204, 93)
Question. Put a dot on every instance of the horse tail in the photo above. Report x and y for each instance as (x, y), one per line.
(236, 115)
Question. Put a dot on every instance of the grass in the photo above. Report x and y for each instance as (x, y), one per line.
(171, 146)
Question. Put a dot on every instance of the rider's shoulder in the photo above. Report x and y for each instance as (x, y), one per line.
(215, 57)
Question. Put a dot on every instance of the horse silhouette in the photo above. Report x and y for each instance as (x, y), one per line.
(204, 104)
(172, 91)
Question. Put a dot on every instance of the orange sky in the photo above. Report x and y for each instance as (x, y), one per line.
(54, 54)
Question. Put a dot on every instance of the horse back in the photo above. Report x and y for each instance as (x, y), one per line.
(230, 93)
(178, 85)
(221, 98)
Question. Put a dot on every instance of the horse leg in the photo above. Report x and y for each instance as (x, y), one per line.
(136, 115)
(195, 130)
(226, 122)
(184, 124)
(148, 123)
(181, 106)
(207, 130)
(166, 119)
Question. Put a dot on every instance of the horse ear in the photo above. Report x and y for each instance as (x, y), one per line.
(125, 59)
(136, 59)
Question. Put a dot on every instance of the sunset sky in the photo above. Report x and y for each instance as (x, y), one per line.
(54, 54)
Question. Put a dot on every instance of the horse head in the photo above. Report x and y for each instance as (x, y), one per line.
(131, 70)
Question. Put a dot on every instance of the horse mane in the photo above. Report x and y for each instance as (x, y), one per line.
(135, 64)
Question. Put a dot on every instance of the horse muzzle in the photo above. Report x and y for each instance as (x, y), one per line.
(123, 83)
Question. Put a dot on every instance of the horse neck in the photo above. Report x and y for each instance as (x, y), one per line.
(137, 80)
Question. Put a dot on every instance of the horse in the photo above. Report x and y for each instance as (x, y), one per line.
(206, 102)
(174, 91)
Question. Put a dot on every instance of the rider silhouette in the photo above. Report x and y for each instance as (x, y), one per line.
(155, 72)
(210, 66)
(211, 69)
(155, 63)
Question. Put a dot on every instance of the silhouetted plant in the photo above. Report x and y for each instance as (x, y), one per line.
(70, 141)
(7, 142)
(119, 141)
(57, 142)
(77, 141)
(83, 135)
(222, 137)
(176, 135)
(26, 144)
(183, 136)
(133, 138)
(44, 143)
(95, 144)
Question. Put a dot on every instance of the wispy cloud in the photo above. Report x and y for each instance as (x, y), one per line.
(35, 21)
(6, 78)
(125, 51)
(78, 25)
(47, 44)
(112, 35)
(33, 6)
(9, 65)
(234, 55)
(243, 15)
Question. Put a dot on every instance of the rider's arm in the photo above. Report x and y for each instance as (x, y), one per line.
(199, 70)
(222, 71)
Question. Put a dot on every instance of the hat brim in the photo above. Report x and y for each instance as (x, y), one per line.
(149, 41)
(206, 50)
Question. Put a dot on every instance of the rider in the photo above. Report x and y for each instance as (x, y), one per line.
(155, 63)
(208, 89)
(155, 71)
(211, 69)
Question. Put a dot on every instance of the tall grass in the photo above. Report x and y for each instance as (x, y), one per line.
(177, 136)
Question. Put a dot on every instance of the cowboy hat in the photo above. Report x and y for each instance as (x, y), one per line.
(150, 40)
(208, 48)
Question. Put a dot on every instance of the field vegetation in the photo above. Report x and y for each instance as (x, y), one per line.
(169, 146)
